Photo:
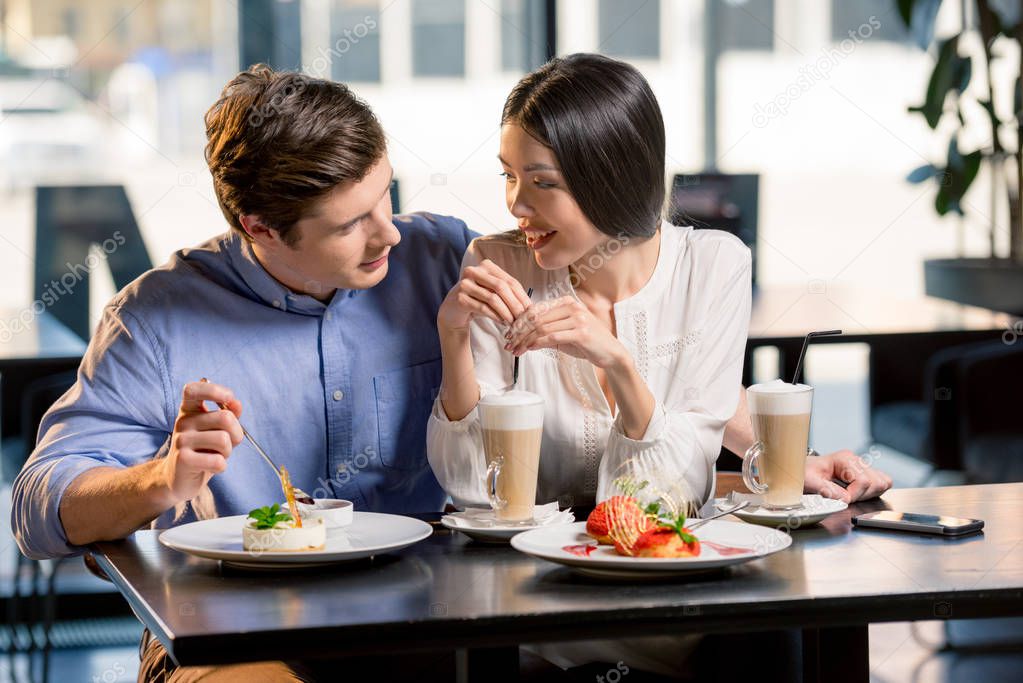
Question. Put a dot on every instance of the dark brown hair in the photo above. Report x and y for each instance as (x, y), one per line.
(603, 123)
(277, 142)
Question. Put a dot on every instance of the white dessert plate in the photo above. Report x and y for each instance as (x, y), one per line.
(722, 544)
(815, 508)
(370, 533)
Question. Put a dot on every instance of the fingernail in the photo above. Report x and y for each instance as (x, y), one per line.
(507, 347)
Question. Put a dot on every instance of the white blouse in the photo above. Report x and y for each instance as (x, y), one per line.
(686, 330)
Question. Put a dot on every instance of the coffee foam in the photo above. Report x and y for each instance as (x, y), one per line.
(779, 398)
(511, 410)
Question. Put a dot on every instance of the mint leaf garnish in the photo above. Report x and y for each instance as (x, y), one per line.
(268, 516)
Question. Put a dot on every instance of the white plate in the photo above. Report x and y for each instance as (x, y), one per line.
(815, 508)
(370, 533)
(496, 533)
(549, 542)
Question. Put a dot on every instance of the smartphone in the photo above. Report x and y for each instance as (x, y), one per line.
(913, 521)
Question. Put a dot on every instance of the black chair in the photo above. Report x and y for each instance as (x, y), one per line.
(960, 413)
(37, 607)
(913, 402)
(70, 220)
(990, 428)
(722, 201)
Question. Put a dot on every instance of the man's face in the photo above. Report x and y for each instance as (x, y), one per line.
(343, 243)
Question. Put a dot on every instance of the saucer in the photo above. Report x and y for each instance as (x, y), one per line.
(481, 524)
(814, 509)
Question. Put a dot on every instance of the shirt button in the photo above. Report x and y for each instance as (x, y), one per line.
(277, 304)
(327, 315)
(338, 395)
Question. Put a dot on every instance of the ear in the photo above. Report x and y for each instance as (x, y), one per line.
(258, 231)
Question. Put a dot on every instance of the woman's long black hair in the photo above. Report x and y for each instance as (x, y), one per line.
(603, 123)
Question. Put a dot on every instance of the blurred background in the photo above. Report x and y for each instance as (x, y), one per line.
(788, 123)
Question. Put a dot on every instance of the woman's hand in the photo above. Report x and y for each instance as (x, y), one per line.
(864, 481)
(484, 290)
(567, 325)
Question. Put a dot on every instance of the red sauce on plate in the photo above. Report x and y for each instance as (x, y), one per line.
(727, 549)
(583, 550)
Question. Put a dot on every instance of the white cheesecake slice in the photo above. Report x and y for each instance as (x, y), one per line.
(312, 535)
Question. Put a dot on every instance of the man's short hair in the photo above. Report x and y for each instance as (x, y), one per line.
(278, 142)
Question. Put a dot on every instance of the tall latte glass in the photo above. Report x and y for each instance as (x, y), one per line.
(780, 413)
(512, 424)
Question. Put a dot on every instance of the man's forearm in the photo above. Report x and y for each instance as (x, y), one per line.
(739, 430)
(108, 503)
(460, 390)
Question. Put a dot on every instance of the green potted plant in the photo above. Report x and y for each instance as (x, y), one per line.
(994, 281)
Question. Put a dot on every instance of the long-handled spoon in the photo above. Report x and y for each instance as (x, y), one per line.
(700, 522)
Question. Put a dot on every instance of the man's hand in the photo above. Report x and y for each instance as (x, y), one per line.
(202, 440)
(864, 481)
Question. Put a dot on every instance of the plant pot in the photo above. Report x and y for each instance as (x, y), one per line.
(991, 283)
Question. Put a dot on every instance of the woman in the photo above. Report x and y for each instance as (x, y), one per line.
(635, 330)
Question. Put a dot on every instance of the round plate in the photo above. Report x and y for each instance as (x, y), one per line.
(370, 533)
(716, 536)
(815, 508)
(491, 534)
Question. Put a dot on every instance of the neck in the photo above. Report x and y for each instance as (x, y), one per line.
(622, 273)
(288, 276)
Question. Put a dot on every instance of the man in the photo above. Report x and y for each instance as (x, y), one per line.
(316, 311)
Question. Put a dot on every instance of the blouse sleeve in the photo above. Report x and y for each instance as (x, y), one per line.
(455, 447)
(683, 438)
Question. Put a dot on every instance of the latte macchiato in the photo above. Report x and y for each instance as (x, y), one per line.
(780, 413)
(512, 425)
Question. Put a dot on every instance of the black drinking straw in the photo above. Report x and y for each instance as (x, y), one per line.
(515, 363)
(799, 363)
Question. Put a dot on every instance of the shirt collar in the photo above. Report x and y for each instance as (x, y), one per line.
(263, 285)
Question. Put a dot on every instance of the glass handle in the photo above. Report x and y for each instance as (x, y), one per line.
(748, 463)
(493, 472)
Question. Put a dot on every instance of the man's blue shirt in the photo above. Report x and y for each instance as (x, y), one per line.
(339, 393)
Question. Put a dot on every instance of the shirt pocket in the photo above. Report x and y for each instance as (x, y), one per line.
(404, 402)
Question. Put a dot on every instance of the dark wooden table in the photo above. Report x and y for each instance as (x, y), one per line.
(783, 315)
(447, 593)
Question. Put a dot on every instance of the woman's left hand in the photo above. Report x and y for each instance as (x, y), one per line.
(567, 325)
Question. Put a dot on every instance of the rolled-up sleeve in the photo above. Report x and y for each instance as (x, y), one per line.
(117, 414)
(683, 439)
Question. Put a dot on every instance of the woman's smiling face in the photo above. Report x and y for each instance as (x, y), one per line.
(556, 228)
